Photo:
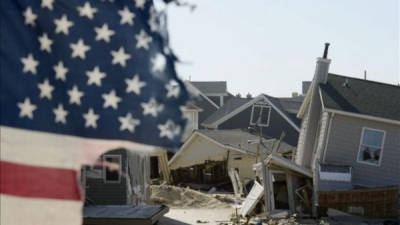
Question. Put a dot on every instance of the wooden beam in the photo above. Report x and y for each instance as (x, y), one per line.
(290, 190)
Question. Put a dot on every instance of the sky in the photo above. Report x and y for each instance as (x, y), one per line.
(271, 46)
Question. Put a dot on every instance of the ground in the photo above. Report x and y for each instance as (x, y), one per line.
(196, 216)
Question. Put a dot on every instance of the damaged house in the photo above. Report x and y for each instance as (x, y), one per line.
(227, 143)
(208, 155)
(350, 134)
(348, 148)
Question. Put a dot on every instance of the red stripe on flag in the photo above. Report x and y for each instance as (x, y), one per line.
(38, 182)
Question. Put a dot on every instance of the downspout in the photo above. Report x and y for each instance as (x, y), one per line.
(327, 137)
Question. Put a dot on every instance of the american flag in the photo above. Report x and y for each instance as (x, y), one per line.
(78, 78)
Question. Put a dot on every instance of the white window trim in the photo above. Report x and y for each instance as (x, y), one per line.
(105, 169)
(361, 143)
(262, 106)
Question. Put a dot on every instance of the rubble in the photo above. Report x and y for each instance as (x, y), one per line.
(177, 197)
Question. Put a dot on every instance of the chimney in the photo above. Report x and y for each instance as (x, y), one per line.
(305, 86)
(322, 68)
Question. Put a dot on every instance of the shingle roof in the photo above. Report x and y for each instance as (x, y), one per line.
(361, 96)
(288, 106)
(211, 87)
(239, 139)
(227, 108)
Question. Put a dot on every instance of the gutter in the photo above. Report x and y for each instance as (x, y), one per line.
(363, 116)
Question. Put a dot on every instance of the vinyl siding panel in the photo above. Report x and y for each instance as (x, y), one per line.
(343, 147)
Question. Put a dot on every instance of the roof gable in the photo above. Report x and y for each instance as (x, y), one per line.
(211, 87)
(361, 97)
(280, 105)
(226, 109)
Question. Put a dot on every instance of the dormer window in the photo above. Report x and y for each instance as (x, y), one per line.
(371, 146)
(260, 112)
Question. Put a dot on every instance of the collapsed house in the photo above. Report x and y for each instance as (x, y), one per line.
(349, 145)
(227, 143)
(208, 155)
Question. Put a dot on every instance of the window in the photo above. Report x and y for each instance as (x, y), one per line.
(112, 168)
(262, 112)
(371, 146)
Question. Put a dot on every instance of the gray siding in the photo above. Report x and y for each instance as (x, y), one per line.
(343, 147)
(100, 193)
(327, 185)
(277, 124)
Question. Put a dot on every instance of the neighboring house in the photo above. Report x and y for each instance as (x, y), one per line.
(214, 90)
(201, 105)
(350, 132)
(207, 155)
(277, 115)
(120, 177)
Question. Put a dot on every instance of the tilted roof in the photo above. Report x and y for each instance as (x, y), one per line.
(361, 96)
(211, 87)
(238, 138)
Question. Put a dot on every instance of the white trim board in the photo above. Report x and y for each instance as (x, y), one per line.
(245, 106)
(362, 116)
(361, 143)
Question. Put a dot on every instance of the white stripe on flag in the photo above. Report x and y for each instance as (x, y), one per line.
(37, 211)
(47, 154)
(54, 150)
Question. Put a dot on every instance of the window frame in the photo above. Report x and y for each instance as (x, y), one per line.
(361, 144)
(105, 169)
(261, 106)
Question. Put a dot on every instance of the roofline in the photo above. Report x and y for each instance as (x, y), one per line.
(361, 79)
(198, 134)
(358, 115)
(245, 106)
(275, 159)
(306, 101)
(216, 94)
(362, 116)
(202, 94)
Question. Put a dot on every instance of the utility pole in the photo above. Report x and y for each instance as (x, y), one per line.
(265, 176)
(265, 173)
(261, 148)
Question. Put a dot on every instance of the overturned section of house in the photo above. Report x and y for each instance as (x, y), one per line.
(209, 156)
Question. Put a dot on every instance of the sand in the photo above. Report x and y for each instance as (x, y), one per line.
(177, 197)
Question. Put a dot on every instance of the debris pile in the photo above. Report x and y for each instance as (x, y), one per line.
(178, 197)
